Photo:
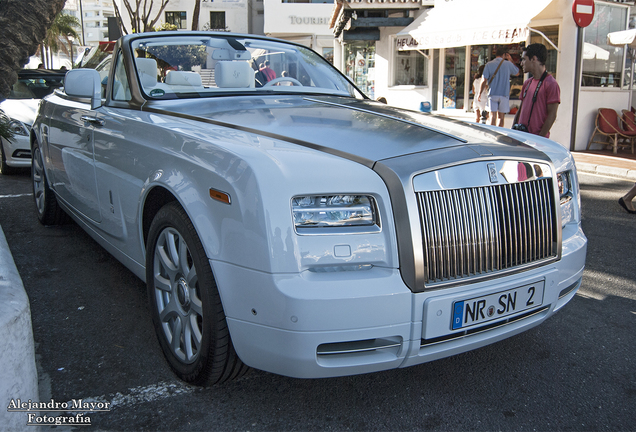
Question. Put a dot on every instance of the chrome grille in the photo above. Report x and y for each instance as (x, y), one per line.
(477, 231)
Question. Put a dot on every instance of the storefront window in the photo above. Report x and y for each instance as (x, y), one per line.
(327, 53)
(411, 68)
(360, 65)
(603, 63)
(454, 78)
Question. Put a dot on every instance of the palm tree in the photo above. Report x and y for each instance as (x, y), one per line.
(62, 28)
(23, 26)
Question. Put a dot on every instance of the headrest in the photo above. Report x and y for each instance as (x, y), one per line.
(147, 68)
(233, 74)
(183, 78)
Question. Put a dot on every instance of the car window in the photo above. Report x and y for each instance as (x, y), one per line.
(121, 89)
(34, 88)
(203, 66)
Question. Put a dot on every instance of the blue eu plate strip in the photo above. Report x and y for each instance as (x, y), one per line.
(458, 312)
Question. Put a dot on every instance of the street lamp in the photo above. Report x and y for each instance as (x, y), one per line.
(82, 21)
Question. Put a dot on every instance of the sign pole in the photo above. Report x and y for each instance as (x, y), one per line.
(583, 15)
(577, 85)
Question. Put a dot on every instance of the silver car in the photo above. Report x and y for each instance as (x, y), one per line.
(284, 221)
(20, 108)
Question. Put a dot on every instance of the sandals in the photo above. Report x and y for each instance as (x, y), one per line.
(622, 203)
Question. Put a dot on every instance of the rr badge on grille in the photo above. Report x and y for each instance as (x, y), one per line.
(492, 171)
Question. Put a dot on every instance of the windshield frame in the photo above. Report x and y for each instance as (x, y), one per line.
(318, 69)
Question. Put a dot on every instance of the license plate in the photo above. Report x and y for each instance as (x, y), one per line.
(478, 310)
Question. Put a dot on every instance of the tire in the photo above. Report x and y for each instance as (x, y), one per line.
(4, 168)
(185, 302)
(48, 210)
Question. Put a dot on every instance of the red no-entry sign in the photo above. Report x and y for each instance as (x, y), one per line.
(583, 12)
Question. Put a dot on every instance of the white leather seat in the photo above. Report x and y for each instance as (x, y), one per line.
(147, 69)
(233, 74)
(182, 78)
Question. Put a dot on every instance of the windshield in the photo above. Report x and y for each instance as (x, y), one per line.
(174, 66)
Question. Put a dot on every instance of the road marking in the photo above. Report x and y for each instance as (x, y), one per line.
(142, 394)
(15, 196)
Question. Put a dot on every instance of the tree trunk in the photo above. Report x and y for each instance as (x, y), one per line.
(23, 26)
(195, 15)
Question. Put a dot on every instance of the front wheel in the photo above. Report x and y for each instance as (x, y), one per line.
(185, 304)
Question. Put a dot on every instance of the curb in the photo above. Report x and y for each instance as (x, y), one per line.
(18, 373)
(590, 168)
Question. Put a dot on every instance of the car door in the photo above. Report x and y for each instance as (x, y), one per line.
(71, 150)
(119, 169)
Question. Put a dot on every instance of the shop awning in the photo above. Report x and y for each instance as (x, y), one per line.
(471, 22)
(625, 37)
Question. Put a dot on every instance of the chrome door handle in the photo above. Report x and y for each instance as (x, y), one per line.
(92, 120)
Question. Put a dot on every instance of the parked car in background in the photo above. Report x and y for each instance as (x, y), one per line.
(303, 229)
(20, 107)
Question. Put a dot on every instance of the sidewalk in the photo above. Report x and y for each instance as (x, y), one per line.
(623, 166)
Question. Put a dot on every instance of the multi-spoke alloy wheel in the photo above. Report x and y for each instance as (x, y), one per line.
(178, 300)
(185, 304)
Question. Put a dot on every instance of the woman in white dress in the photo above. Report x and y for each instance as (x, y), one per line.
(479, 105)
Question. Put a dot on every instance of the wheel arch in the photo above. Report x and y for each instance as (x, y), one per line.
(155, 199)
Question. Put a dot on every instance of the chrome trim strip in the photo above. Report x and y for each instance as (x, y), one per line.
(355, 347)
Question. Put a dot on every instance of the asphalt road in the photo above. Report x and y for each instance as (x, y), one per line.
(94, 340)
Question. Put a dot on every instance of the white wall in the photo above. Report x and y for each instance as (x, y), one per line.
(589, 103)
(297, 18)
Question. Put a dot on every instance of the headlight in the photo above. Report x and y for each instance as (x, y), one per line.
(334, 211)
(19, 128)
(565, 197)
(564, 186)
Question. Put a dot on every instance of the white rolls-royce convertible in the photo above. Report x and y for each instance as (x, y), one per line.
(284, 221)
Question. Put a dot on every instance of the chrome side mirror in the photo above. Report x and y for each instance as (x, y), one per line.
(84, 83)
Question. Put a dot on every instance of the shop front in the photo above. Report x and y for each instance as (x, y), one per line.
(467, 34)
(455, 37)
(360, 65)
(360, 28)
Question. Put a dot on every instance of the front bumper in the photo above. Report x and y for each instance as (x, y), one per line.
(17, 152)
(314, 325)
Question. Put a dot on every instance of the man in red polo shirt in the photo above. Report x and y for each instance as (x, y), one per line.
(269, 73)
(539, 114)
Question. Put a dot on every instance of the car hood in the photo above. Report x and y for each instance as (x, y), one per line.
(21, 109)
(365, 131)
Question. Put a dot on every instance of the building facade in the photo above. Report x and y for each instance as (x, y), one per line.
(302, 21)
(93, 17)
(237, 16)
